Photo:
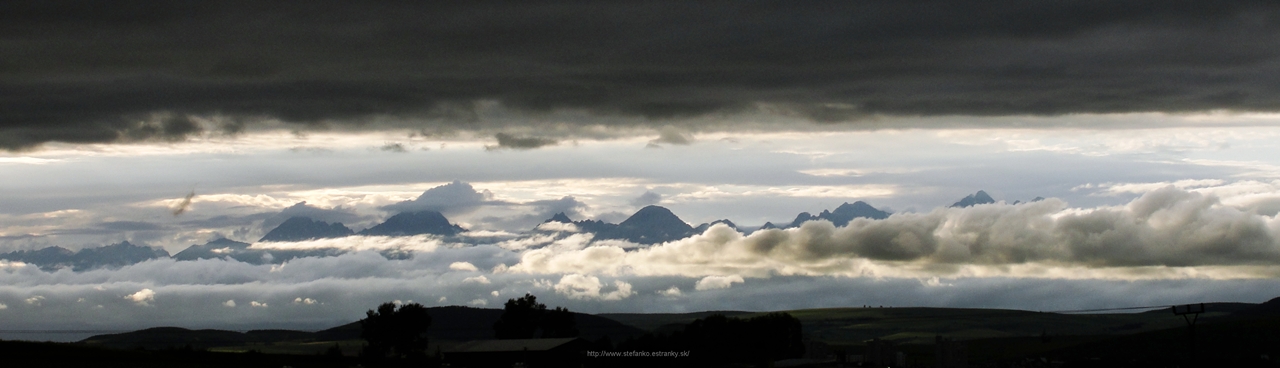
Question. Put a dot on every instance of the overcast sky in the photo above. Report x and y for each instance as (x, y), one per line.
(1150, 127)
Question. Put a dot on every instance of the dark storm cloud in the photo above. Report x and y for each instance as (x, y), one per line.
(97, 72)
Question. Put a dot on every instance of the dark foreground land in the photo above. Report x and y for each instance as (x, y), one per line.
(48, 354)
(1226, 335)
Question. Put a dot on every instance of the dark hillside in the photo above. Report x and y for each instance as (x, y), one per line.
(44, 354)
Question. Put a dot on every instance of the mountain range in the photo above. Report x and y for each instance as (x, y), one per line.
(839, 217)
(115, 255)
(650, 225)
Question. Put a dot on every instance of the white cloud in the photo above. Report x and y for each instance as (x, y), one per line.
(143, 297)
(231, 303)
(558, 226)
(357, 243)
(3, 306)
(307, 301)
(1139, 188)
(670, 292)
(28, 160)
(717, 282)
(479, 302)
(477, 279)
(35, 300)
(934, 282)
(494, 293)
(577, 286)
(463, 266)
(257, 304)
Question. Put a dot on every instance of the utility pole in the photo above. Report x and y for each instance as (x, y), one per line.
(1190, 313)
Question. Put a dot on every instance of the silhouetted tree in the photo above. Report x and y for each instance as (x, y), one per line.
(392, 332)
(524, 317)
(558, 322)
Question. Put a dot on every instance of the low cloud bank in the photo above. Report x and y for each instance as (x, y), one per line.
(1159, 232)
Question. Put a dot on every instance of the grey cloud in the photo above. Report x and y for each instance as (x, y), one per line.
(1167, 227)
(129, 226)
(671, 135)
(569, 205)
(513, 142)
(393, 147)
(453, 198)
(343, 293)
(541, 211)
(89, 74)
(648, 198)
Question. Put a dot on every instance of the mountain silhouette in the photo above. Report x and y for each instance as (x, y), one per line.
(842, 215)
(414, 223)
(650, 225)
(304, 228)
(978, 198)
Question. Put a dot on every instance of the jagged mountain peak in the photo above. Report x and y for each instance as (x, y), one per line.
(559, 217)
(978, 198)
(649, 225)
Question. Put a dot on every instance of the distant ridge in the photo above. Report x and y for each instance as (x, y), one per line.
(304, 228)
(451, 323)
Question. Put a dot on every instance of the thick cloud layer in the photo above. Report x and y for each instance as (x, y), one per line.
(160, 70)
(1164, 229)
(1167, 246)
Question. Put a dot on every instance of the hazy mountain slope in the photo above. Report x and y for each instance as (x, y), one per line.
(414, 223)
(304, 228)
